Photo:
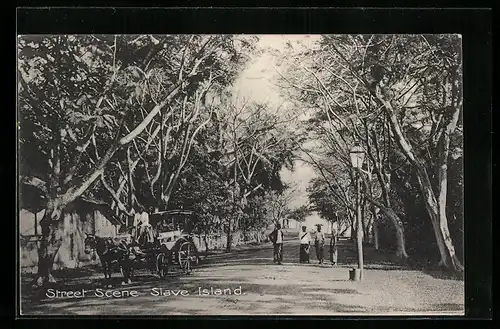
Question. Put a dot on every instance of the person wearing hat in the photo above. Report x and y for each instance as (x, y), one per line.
(276, 237)
(305, 244)
(319, 243)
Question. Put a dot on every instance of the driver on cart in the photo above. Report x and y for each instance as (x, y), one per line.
(141, 229)
(146, 234)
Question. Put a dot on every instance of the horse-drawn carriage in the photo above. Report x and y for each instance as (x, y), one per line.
(163, 242)
(174, 243)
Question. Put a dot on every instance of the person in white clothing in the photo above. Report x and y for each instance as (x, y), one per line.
(137, 219)
(305, 243)
(145, 234)
(144, 219)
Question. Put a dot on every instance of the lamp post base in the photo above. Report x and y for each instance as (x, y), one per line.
(355, 274)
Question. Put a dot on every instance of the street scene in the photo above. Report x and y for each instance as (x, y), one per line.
(240, 175)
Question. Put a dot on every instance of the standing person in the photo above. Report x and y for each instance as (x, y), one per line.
(276, 238)
(319, 244)
(305, 244)
(333, 247)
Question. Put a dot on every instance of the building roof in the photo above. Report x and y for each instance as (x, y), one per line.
(104, 208)
(91, 200)
(173, 212)
(33, 202)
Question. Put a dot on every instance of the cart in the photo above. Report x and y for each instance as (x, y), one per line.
(174, 244)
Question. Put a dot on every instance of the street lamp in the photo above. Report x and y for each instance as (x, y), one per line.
(357, 155)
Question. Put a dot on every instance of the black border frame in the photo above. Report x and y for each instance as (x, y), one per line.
(475, 25)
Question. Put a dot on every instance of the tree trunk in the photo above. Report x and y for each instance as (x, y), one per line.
(400, 237)
(451, 260)
(375, 223)
(369, 229)
(354, 229)
(400, 234)
(385, 185)
(229, 236)
(437, 213)
(205, 239)
(342, 232)
(235, 191)
(130, 218)
(36, 222)
(376, 241)
(49, 246)
(437, 216)
(398, 224)
(365, 222)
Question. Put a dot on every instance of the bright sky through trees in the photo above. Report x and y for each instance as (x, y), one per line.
(258, 83)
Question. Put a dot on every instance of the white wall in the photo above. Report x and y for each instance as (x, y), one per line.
(71, 252)
(103, 226)
(27, 222)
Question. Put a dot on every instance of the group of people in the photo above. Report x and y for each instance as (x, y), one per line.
(277, 237)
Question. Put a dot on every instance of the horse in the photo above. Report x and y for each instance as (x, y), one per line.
(110, 253)
(140, 241)
(143, 239)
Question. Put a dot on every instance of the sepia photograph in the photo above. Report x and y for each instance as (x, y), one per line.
(217, 174)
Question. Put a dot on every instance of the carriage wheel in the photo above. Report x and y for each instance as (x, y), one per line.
(162, 265)
(184, 255)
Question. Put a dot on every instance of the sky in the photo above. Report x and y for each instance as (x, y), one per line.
(256, 83)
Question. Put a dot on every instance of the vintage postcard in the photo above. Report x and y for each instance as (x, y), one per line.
(196, 174)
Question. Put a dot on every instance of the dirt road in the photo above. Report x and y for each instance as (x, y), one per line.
(252, 285)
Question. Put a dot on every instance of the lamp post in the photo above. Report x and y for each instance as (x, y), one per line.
(357, 155)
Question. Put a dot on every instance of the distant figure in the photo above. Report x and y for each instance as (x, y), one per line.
(276, 237)
(333, 247)
(319, 244)
(305, 244)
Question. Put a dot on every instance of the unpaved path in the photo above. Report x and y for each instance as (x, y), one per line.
(269, 289)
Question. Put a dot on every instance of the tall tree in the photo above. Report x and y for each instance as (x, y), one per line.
(300, 213)
(278, 204)
(77, 91)
(254, 145)
(393, 94)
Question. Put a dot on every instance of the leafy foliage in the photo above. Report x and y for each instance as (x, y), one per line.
(341, 80)
(300, 214)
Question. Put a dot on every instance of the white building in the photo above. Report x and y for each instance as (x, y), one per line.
(83, 216)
